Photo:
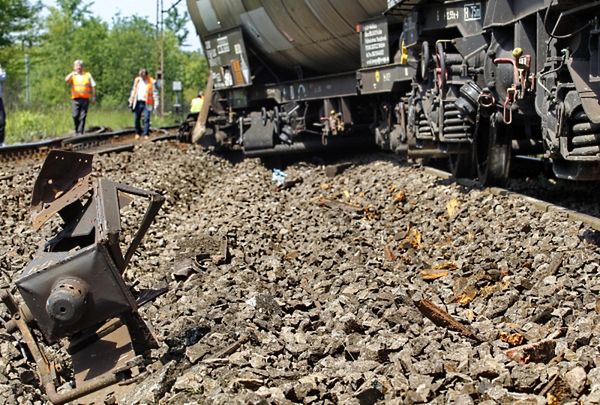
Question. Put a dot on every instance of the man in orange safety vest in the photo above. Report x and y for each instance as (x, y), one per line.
(83, 90)
(142, 100)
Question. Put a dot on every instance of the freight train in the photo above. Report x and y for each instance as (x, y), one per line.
(477, 82)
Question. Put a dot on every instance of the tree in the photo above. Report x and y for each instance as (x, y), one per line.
(113, 54)
(129, 46)
(75, 10)
(195, 74)
(71, 32)
(16, 16)
(176, 23)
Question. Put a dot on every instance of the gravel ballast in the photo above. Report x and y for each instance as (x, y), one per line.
(319, 299)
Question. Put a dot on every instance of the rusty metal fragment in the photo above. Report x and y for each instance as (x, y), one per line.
(61, 172)
(442, 318)
(538, 352)
(73, 288)
(214, 249)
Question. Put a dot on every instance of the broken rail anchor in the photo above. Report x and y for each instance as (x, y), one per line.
(74, 288)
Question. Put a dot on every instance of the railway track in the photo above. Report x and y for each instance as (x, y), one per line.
(540, 204)
(377, 249)
(97, 142)
(102, 141)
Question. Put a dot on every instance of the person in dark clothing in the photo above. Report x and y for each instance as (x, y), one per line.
(2, 111)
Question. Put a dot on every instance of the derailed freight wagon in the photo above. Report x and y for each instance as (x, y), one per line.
(478, 82)
(299, 75)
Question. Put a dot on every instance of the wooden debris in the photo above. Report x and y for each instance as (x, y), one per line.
(399, 197)
(232, 348)
(291, 255)
(438, 271)
(546, 390)
(445, 266)
(432, 274)
(325, 202)
(413, 239)
(442, 318)
(513, 339)
(451, 207)
(467, 295)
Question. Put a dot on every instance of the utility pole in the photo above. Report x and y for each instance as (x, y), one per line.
(26, 45)
(162, 59)
(27, 92)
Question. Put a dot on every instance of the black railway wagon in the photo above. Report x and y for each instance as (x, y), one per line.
(476, 81)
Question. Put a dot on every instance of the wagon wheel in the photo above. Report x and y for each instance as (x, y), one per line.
(462, 165)
(493, 153)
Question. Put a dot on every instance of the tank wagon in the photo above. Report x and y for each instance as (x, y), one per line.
(478, 82)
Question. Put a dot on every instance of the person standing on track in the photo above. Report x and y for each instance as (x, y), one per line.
(2, 112)
(142, 100)
(196, 104)
(83, 89)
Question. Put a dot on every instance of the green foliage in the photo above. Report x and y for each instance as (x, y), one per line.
(113, 53)
(15, 17)
(128, 47)
(28, 125)
(195, 74)
(175, 23)
(76, 10)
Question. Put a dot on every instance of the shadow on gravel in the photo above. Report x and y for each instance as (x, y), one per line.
(179, 342)
(578, 196)
(591, 236)
(328, 158)
(234, 157)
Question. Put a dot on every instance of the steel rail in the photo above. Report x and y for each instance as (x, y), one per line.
(540, 205)
(95, 142)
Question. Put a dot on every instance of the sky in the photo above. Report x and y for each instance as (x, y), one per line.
(106, 9)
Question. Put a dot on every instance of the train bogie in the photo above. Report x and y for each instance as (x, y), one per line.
(478, 82)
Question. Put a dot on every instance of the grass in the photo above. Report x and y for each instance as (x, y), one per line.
(29, 125)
